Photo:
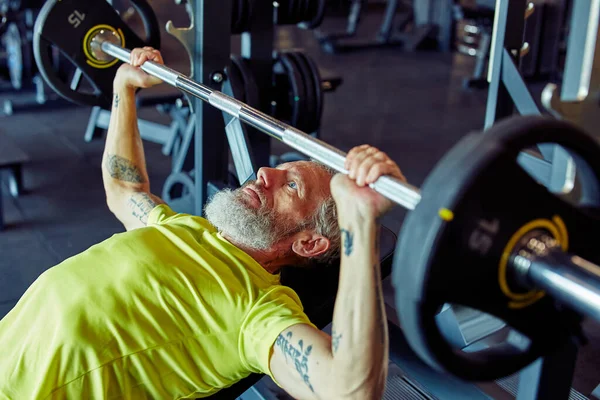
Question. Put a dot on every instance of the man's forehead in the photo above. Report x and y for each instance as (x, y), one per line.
(292, 164)
(300, 167)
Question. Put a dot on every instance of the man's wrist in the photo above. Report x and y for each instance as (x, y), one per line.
(356, 221)
(356, 215)
(123, 88)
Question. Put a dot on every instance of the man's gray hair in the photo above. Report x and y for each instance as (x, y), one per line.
(325, 223)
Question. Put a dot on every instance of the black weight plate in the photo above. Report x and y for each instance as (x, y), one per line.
(251, 91)
(287, 12)
(307, 120)
(150, 22)
(64, 24)
(318, 14)
(318, 90)
(19, 55)
(237, 80)
(303, 10)
(281, 107)
(240, 16)
(300, 11)
(309, 9)
(474, 203)
(297, 94)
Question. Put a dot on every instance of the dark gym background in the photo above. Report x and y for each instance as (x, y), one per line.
(410, 105)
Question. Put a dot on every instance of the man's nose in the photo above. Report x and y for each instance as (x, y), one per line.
(270, 177)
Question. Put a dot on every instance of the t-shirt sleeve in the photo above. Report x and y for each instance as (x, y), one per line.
(162, 214)
(274, 312)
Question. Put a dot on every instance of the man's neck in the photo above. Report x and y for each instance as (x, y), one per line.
(271, 260)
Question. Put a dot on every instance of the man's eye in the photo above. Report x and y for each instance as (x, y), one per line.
(293, 185)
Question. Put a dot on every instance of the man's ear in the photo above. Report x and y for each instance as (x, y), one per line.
(310, 244)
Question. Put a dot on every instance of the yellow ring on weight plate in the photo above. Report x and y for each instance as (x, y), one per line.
(87, 40)
(558, 230)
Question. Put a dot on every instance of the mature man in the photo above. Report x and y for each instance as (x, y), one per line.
(181, 306)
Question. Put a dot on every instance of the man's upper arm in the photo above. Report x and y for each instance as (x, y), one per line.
(132, 208)
(301, 362)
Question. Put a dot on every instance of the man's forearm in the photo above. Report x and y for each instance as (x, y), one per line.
(123, 161)
(359, 333)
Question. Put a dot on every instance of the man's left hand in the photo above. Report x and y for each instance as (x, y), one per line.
(352, 192)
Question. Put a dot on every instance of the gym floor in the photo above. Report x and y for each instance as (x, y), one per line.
(410, 105)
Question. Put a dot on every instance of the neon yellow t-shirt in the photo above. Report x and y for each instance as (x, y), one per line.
(171, 310)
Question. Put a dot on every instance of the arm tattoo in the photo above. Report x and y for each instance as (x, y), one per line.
(141, 204)
(124, 170)
(348, 241)
(335, 339)
(299, 355)
(117, 99)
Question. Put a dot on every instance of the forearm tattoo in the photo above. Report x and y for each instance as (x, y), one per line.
(336, 337)
(116, 100)
(348, 241)
(141, 204)
(124, 170)
(299, 355)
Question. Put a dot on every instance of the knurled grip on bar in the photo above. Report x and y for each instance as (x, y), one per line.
(226, 103)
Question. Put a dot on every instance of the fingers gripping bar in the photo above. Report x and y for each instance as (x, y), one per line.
(394, 189)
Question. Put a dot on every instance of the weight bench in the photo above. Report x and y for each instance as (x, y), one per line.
(317, 287)
(11, 160)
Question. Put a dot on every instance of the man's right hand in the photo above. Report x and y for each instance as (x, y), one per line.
(131, 76)
(365, 164)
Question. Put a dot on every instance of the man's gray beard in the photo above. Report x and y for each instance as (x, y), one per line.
(254, 228)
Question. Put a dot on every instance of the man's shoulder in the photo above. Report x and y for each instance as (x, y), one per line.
(163, 214)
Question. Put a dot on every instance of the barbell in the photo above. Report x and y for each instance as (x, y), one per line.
(483, 233)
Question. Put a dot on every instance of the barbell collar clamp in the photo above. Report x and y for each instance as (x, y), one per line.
(534, 244)
(95, 46)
